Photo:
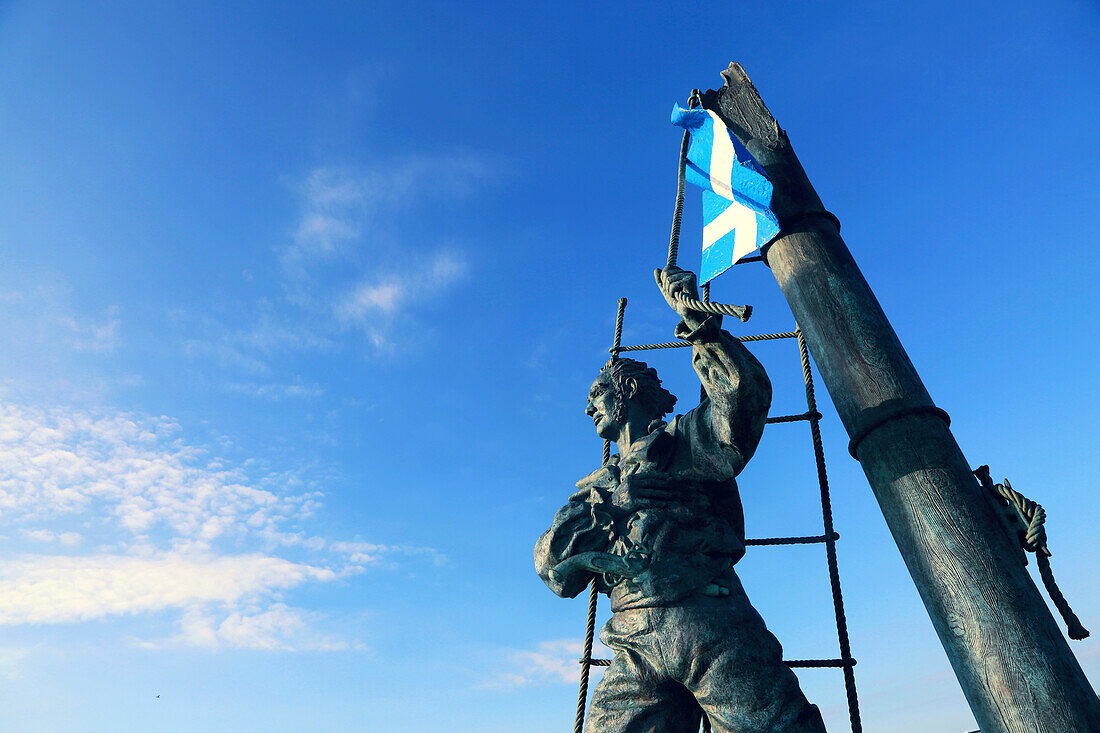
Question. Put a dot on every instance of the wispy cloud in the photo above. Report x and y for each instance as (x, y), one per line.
(46, 315)
(98, 335)
(375, 303)
(279, 628)
(10, 660)
(357, 552)
(341, 205)
(367, 298)
(351, 216)
(252, 350)
(276, 392)
(347, 265)
(550, 662)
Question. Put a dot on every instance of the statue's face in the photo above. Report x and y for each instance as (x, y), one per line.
(605, 407)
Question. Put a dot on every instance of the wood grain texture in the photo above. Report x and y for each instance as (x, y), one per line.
(1014, 665)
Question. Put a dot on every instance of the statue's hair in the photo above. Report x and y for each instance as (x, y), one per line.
(650, 391)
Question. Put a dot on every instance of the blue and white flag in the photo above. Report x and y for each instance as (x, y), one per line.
(737, 196)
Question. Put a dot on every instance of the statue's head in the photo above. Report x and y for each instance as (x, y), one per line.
(626, 390)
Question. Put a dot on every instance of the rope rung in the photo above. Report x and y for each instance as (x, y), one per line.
(815, 415)
(812, 540)
(819, 662)
(768, 336)
(649, 347)
(685, 344)
(802, 663)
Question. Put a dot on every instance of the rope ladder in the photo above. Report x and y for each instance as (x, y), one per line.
(829, 536)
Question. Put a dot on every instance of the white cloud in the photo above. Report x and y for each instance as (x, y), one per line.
(362, 553)
(333, 281)
(554, 660)
(68, 539)
(59, 589)
(365, 298)
(227, 353)
(347, 216)
(158, 510)
(348, 223)
(320, 234)
(62, 462)
(330, 265)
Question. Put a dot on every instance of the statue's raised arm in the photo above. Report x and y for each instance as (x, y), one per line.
(737, 387)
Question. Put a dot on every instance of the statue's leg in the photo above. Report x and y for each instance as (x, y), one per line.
(734, 667)
(636, 695)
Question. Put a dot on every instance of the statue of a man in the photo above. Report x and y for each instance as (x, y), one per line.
(660, 527)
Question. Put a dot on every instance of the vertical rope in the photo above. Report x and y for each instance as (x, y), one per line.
(618, 328)
(1075, 629)
(705, 297)
(678, 213)
(586, 660)
(830, 542)
(593, 594)
(615, 355)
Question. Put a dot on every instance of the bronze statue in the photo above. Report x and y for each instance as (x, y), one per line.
(660, 527)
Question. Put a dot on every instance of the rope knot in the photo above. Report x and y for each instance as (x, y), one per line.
(1028, 519)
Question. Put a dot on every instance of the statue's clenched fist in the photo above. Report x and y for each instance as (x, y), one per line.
(676, 284)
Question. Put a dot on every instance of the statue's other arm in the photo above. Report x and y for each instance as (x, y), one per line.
(580, 526)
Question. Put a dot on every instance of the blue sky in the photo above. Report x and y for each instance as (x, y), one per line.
(300, 304)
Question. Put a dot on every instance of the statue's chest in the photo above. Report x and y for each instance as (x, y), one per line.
(655, 453)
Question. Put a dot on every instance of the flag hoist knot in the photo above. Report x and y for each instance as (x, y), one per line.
(1027, 519)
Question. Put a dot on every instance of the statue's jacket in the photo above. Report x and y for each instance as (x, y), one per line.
(693, 540)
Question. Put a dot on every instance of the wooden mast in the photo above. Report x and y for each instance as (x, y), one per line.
(1014, 665)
